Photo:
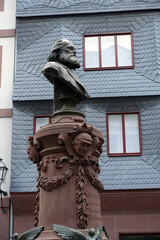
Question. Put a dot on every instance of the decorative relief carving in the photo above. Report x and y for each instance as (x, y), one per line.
(58, 162)
(81, 197)
(81, 148)
(81, 171)
(81, 144)
(93, 179)
(49, 184)
(36, 207)
(44, 165)
(36, 203)
(32, 150)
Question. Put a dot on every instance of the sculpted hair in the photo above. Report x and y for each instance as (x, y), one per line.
(53, 56)
(56, 48)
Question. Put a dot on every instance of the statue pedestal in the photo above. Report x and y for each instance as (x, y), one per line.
(66, 153)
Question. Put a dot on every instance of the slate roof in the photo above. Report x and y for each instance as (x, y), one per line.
(131, 172)
(35, 37)
(62, 7)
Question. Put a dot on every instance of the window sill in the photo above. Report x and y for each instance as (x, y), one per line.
(124, 154)
(108, 68)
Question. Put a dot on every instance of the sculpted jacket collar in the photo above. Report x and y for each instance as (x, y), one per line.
(74, 77)
(56, 70)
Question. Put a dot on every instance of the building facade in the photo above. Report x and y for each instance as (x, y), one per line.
(7, 47)
(118, 45)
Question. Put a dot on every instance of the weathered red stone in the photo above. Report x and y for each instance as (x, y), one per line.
(68, 186)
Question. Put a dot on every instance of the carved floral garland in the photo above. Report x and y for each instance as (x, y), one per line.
(49, 184)
(36, 206)
(94, 180)
(81, 197)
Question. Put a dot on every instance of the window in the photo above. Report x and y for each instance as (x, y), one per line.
(140, 237)
(40, 121)
(108, 51)
(123, 134)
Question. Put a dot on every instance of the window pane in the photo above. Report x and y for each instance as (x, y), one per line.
(91, 52)
(108, 51)
(115, 134)
(41, 121)
(124, 50)
(132, 133)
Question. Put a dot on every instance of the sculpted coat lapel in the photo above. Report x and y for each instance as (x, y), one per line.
(61, 72)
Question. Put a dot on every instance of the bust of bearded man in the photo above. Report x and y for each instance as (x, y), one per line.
(68, 90)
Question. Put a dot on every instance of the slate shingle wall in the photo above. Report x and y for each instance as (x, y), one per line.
(62, 7)
(35, 37)
(24, 173)
(133, 172)
(130, 172)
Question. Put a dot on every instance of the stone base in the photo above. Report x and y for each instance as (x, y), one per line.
(66, 112)
(48, 235)
(51, 235)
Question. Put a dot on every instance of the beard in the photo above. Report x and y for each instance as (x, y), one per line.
(69, 60)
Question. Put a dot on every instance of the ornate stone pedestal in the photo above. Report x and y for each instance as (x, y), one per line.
(66, 153)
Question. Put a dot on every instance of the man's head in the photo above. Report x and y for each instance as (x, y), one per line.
(81, 143)
(63, 51)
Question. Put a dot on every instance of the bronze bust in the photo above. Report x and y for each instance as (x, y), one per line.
(68, 90)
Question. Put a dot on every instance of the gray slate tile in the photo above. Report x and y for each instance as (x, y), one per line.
(34, 34)
(132, 172)
(43, 7)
